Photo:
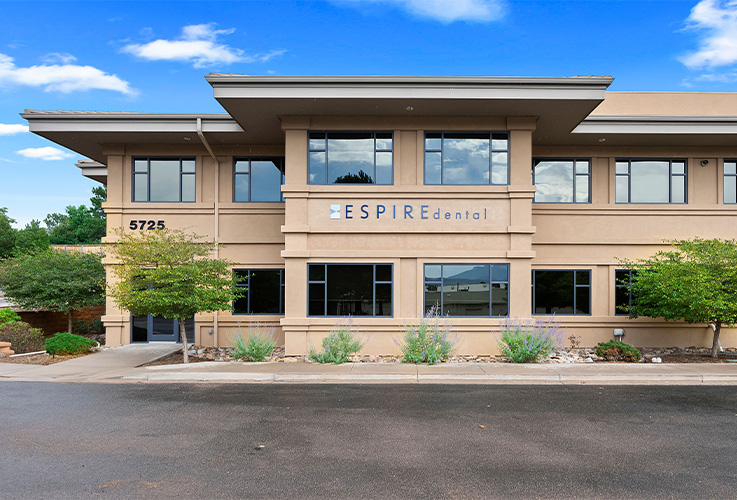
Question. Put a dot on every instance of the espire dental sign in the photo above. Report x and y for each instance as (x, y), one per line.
(402, 212)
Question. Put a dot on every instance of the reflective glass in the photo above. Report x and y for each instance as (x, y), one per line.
(582, 189)
(383, 299)
(583, 300)
(316, 272)
(432, 168)
(188, 166)
(317, 141)
(140, 187)
(622, 167)
(240, 187)
(583, 277)
(621, 190)
(188, 187)
(164, 178)
(264, 290)
(350, 290)
(499, 162)
(432, 296)
(242, 166)
(317, 168)
(266, 179)
(650, 181)
(499, 142)
(678, 167)
(384, 168)
(582, 167)
(432, 272)
(465, 161)
(554, 292)
(316, 292)
(383, 143)
(350, 158)
(730, 189)
(678, 189)
(140, 166)
(499, 299)
(466, 290)
(433, 141)
(139, 329)
(384, 272)
(730, 168)
(554, 181)
(500, 272)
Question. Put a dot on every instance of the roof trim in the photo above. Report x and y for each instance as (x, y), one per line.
(81, 121)
(692, 125)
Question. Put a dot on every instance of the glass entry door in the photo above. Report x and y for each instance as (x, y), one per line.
(157, 329)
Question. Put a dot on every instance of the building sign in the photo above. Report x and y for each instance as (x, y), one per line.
(403, 212)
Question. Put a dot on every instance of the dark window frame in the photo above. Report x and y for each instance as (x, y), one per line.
(148, 177)
(326, 150)
(460, 133)
(536, 161)
(671, 175)
(247, 284)
(725, 175)
(250, 159)
(575, 286)
(491, 283)
(324, 282)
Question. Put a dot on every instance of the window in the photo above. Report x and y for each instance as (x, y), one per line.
(730, 181)
(650, 181)
(561, 292)
(355, 289)
(264, 291)
(562, 181)
(468, 289)
(466, 158)
(351, 158)
(164, 179)
(622, 294)
(258, 179)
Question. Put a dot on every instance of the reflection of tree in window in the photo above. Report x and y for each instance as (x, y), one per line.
(360, 178)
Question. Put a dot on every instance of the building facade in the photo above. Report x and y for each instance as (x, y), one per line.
(380, 197)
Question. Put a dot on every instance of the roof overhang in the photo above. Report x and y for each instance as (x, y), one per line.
(93, 170)
(258, 102)
(88, 132)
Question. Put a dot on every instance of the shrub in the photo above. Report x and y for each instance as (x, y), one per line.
(8, 316)
(84, 327)
(615, 350)
(22, 337)
(526, 342)
(68, 343)
(429, 341)
(257, 345)
(339, 344)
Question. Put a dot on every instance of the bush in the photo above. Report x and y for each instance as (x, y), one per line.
(338, 345)
(429, 341)
(68, 343)
(8, 316)
(84, 327)
(615, 350)
(525, 342)
(22, 337)
(257, 345)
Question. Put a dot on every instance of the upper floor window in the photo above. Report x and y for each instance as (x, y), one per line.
(561, 292)
(264, 291)
(480, 290)
(258, 179)
(466, 158)
(355, 289)
(562, 181)
(730, 181)
(351, 158)
(650, 181)
(164, 179)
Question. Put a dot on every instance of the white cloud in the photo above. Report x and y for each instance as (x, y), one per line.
(58, 57)
(63, 78)
(198, 44)
(716, 20)
(448, 11)
(12, 128)
(47, 154)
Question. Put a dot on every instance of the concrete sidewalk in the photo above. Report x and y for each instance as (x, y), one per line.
(122, 364)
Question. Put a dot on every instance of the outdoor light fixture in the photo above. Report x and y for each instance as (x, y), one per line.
(602, 139)
(704, 163)
(187, 138)
(618, 334)
(410, 108)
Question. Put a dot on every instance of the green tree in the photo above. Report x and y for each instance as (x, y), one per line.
(169, 273)
(7, 234)
(695, 282)
(32, 238)
(54, 280)
(79, 225)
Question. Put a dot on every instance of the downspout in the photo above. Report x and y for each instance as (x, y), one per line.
(217, 217)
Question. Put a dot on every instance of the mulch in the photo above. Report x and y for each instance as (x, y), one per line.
(699, 358)
(39, 359)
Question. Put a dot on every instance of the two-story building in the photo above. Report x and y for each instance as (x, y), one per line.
(379, 197)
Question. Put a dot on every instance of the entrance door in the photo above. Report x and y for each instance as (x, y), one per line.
(157, 329)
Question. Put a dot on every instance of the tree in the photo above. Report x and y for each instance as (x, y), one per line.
(7, 234)
(695, 282)
(169, 273)
(79, 225)
(32, 238)
(54, 280)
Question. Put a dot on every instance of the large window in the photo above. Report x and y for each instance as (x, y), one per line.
(258, 179)
(164, 179)
(468, 289)
(730, 181)
(351, 158)
(622, 293)
(561, 292)
(562, 180)
(650, 181)
(355, 289)
(264, 291)
(465, 158)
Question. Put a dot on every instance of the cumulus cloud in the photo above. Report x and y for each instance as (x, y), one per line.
(47, 154)
(198, 44)
(12, 128)
(716, 22)
(63, 78)
(448, 12)
(58, 57)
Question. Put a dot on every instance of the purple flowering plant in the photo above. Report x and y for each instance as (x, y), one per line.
(342, 342)
(429, 341)
(526, 341)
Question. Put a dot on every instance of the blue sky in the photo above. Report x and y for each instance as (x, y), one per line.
(152, 57)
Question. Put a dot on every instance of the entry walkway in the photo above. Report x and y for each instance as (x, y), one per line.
(122, 364)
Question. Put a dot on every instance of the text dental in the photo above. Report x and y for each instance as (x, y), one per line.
(413, 212)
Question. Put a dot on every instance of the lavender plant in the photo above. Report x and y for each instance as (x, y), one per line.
(429, 341)
(339, 345)
(256, 346)
(528, 342)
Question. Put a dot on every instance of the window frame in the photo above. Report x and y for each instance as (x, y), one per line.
(247, 284)
(250, 159)
(671, 175)
(618, 285)
(491, 282)
(588, 175)
(425, 150)
(725, 175)
(324, 282)
(148, 177)
(326, 150)
(575, 286)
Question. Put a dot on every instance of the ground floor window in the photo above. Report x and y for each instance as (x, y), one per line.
(349, 289)
(622, 293)
(264, 291)
(477, 290)
(155, 328)
(561, 292)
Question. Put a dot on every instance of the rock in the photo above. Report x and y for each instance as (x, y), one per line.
(588, 360)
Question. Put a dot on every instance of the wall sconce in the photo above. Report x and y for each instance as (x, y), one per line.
(704, 163)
